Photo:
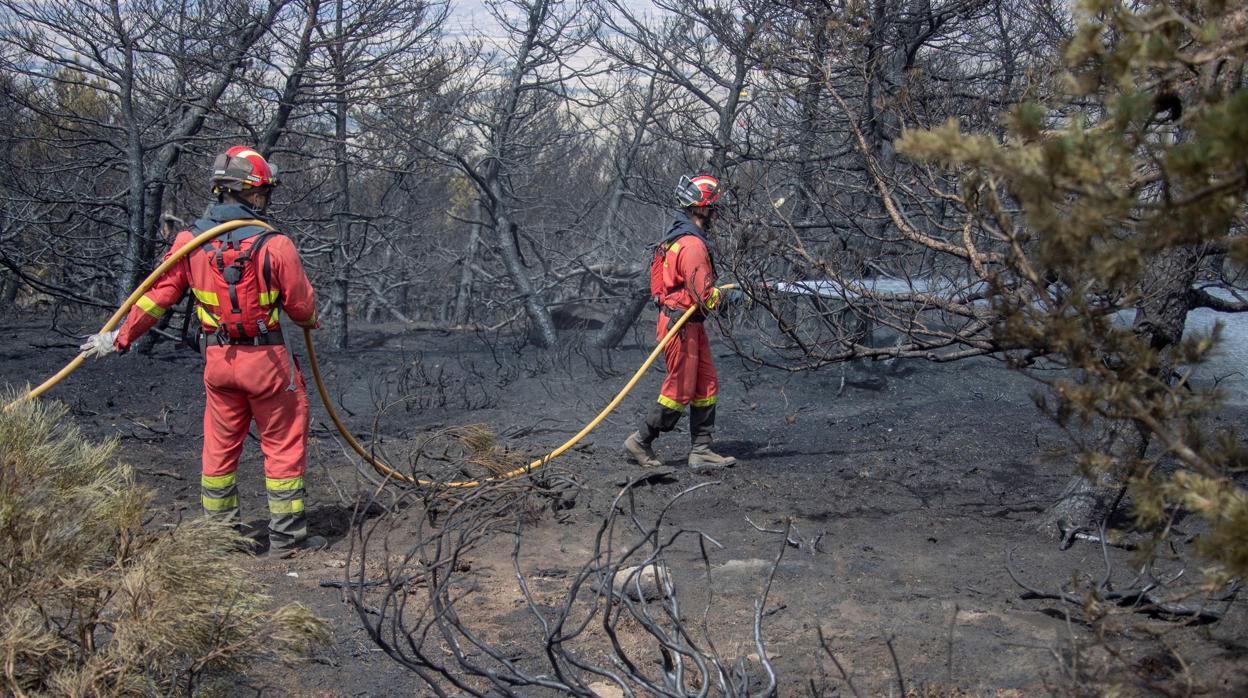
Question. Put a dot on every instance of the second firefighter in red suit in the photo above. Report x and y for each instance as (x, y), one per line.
(240, 281)
(683, 276)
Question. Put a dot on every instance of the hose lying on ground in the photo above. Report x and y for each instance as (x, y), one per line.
(383, 469)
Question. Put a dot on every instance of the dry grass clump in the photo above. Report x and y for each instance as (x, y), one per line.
(90, 603)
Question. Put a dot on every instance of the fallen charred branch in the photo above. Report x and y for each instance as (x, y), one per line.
(796, 540)
(1140, 596)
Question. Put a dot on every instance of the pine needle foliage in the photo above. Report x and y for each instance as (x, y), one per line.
(1120, 196)
(91, 604)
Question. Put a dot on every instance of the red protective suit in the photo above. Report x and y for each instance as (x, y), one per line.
(244, 381)
(687, 279)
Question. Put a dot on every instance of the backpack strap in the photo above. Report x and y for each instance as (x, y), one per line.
(662, 247)
(266, 272)
(238, 265)
(229, 239)
(659, 252)
(234, 273)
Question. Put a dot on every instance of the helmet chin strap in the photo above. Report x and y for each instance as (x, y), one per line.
(702, 216)
(247, 197)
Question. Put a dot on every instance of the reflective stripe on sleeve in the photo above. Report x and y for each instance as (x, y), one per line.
(268, 297)
(310, 322)
(150, 307)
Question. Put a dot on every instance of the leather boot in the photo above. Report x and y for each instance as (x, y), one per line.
(641, 451)
(309, 544)
(701, 456)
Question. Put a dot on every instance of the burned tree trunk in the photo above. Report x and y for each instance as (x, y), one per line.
(626, 313)
(1159, 321)
(463, 293)
(543, 325)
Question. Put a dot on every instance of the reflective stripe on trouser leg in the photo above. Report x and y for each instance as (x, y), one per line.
(282, 420)
(690, 369)
(227, 416)
(288, 523)
(706, 388)
(219, 496)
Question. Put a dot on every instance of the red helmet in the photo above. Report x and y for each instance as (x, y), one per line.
(698, 190)
(241, 168)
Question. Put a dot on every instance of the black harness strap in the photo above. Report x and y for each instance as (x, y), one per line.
(234, 273)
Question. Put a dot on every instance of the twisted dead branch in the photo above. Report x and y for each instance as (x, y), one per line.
(619, 620)
(1146, 593)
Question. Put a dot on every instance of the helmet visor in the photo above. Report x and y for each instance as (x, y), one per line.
(703, 193)
(235, 172)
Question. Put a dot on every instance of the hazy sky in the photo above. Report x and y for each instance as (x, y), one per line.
(473, 18)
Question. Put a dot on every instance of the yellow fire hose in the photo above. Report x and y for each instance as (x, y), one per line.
(385, 470)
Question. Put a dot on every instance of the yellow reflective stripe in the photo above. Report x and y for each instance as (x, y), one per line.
(150, 307)
(272, 317)
(714, 298)
(218, 482)
(220, 504)
(268, 297)
(205, 297)
(703, 401)
(673, 249)
(283, 484)
(206, 317)
(293, 506)
(310, 322)
(670, 403)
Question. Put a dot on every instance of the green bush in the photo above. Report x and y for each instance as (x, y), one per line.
(91, 604)
(1124, 193)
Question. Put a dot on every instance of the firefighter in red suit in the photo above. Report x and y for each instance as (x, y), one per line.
(683, 276)
(240, 281)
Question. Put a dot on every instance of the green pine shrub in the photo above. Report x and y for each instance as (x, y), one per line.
(1121, 194)
(91, 604)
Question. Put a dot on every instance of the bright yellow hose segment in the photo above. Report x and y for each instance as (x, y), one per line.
(389, 472)
(118, 316)
(382, 468)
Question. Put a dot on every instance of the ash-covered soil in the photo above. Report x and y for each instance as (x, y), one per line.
(905, 485)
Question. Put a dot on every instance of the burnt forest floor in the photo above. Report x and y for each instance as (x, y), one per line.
(914, 478)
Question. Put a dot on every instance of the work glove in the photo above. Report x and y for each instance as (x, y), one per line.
(100, 344)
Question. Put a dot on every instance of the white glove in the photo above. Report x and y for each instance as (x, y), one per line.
(101, 344)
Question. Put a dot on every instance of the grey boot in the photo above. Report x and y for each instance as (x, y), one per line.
(309, 544)
(641, 451)
(702, 457)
